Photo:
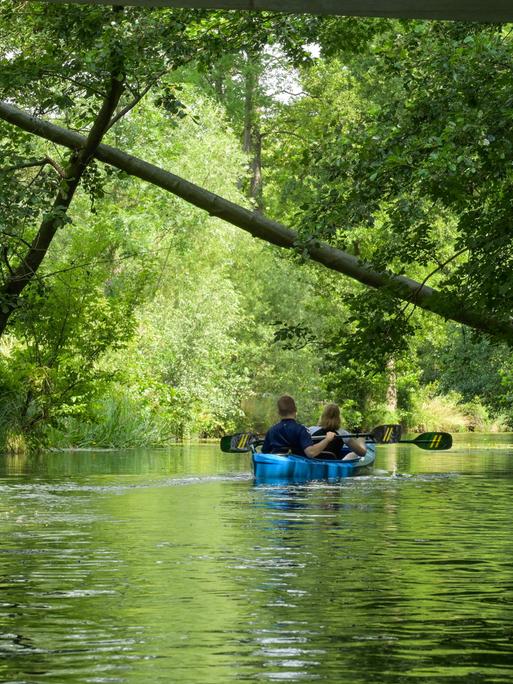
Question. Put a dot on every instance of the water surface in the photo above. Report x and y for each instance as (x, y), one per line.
(171, 566)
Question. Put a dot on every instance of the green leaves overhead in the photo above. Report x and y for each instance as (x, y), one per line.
(57, 58)
(420, 175)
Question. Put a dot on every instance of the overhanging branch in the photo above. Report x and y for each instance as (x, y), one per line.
(261, 227)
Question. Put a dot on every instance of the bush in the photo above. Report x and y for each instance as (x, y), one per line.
(430, 411)
(480, 420)
(19, 413)
(447, 412)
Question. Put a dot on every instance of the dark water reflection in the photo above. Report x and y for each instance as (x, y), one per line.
(171, 566)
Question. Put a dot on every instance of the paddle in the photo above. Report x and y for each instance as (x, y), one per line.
(241, 442)
(432, 441)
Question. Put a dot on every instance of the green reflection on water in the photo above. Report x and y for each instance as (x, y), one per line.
(171, 566)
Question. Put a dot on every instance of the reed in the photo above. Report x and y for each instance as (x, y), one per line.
(116, 422)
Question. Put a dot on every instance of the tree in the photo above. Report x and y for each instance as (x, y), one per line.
(416, 169)
(359, 205)
(89, 67)
(401, 287)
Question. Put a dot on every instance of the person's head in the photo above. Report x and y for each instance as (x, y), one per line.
(286, 406)
(330, 418)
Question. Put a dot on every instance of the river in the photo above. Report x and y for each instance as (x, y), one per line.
(172, 566)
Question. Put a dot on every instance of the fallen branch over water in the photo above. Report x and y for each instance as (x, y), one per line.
(264, 228)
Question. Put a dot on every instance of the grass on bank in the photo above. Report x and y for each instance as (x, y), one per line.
(118, 423)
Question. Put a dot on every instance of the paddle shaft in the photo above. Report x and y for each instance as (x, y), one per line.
(242, 442)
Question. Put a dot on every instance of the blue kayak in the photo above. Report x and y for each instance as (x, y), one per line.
(283, 468)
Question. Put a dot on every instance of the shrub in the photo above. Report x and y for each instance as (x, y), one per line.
(447, 412)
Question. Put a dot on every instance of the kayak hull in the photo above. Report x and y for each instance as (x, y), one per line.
(288, 468)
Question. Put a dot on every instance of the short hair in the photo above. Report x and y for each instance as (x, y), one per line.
(330, 418)
(286, 405)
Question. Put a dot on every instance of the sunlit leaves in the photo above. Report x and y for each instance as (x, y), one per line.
(420, 175)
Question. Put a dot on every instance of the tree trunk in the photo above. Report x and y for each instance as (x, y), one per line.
(56, 217)
(392, 386)
(266, 229)
(249, 108)
(252, 137)
(219, 85)
(257, 187)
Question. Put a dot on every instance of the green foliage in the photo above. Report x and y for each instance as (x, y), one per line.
(433, 411)
(150, 320)
(389, 157)
(347, 36)
(15, 409)
(424, 161)
(55, 357)
(153, 301)
(466, 364)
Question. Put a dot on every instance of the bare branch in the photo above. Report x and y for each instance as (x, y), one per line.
(440, 267)
(15, 237)
(85, 86)
(35, 162)
(88, 264)
(56, 166)
(301, 93)
(6, 259)
(136, 99)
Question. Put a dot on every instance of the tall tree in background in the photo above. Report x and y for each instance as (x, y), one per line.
(248, 83)
(252, 134)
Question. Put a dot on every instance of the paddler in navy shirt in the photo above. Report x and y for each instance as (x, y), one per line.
(290, 436)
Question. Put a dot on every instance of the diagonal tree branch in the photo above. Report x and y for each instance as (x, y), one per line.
(261, 227)
(20, 277)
